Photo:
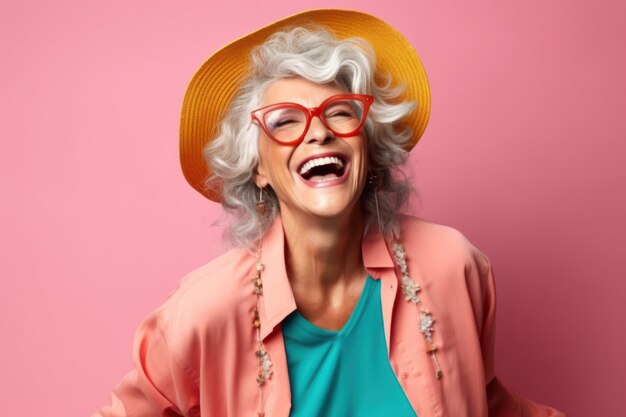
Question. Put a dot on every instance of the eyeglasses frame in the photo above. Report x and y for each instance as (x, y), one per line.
(258, 115)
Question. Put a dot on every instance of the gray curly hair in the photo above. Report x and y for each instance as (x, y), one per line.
(314, 54)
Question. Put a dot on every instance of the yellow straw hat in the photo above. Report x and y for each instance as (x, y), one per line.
(217, 81)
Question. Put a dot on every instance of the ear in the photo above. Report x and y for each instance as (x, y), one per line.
(260, 178)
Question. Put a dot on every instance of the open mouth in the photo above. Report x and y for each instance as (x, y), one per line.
(322, 169)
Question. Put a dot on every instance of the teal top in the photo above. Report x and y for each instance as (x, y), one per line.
(346, 372)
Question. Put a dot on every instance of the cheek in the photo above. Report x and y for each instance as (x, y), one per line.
(273, 160)
(363, 159)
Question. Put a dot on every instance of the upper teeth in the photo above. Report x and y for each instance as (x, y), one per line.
(320, 161)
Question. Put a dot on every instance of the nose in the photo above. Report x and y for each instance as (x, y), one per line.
(318, 132)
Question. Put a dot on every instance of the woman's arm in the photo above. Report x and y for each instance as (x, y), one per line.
(159, 385)
(501, 401)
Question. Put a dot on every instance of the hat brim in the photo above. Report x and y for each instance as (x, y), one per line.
(217, 81)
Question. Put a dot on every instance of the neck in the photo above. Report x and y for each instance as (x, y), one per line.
(323, 254)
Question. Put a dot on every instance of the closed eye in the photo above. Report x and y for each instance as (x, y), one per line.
(342, 113)
(279, 123)
(344, 109)
(284, 118)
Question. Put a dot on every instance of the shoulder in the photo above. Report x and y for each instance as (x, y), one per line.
(450, 266)
(215, 288)
(447, 261)
(217, 279)
(439, 244)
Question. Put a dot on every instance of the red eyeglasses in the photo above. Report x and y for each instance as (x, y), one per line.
(287, 123)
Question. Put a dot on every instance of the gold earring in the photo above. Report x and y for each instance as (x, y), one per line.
(373, 180)
(260, 205)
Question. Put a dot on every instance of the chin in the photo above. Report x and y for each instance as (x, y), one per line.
(334, 209)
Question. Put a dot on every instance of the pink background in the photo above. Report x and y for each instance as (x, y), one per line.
(524, 153)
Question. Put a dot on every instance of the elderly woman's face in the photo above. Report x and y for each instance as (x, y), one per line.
(322, 176)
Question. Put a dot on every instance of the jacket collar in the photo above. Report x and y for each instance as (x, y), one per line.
(278, 300)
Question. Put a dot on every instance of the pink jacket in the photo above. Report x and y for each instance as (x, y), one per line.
(194, 355)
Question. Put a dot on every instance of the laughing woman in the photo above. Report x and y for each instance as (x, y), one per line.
(331, 303)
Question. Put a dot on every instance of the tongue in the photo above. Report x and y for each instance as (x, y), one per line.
(320, 178)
